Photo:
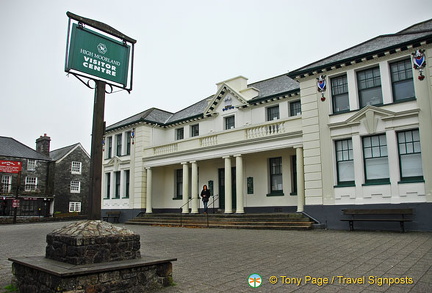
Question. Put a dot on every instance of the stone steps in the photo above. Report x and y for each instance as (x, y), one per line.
(293, 221)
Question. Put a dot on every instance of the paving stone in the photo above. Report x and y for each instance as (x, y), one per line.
(220, 260)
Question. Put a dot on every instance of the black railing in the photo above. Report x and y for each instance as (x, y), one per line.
(181, 211)
(212, 203)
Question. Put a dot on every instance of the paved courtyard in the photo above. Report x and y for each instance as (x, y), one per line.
(219, 260)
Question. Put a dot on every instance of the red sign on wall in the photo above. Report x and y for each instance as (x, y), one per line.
(10, 166)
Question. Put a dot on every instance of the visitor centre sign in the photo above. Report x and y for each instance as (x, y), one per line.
(97, 51)
(98, 55)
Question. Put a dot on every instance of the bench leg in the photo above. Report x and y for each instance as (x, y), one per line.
(402, 224)
(351, 225)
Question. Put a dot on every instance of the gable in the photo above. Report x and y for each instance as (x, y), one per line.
(224, 100)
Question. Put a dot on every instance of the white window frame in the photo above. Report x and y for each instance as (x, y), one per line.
(31, 183)
(76, 167)
(75, 186)
(31, 165)
(74, 206)
(6, 183)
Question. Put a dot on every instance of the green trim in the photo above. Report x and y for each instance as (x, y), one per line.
(419, 179)
(177, 198)
(345, 184)
(276, 193)
(293, 193)
(377, 182)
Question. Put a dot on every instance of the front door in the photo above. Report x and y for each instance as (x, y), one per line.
(221, 178)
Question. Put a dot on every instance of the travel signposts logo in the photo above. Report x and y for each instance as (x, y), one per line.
(254, 280)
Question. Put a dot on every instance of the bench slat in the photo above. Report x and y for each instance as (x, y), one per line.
(378, 211)
(379, 220)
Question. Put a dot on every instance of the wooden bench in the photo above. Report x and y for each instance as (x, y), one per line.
(115, 215)
(377, 215)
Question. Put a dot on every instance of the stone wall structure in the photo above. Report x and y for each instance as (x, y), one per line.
(92, 256)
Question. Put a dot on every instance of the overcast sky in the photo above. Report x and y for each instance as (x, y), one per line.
(184, 47)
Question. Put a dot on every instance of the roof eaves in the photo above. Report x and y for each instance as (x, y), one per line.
(267, 98)
(358, 58)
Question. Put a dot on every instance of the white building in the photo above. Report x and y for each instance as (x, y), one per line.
(278, 146)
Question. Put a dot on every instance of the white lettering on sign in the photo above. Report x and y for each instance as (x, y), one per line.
(99, 66)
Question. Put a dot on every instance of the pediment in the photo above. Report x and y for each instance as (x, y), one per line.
(115, 162)
(369, 113)
(225, 99)
(370, 116)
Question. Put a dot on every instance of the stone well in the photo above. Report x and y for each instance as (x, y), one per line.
(92, 256)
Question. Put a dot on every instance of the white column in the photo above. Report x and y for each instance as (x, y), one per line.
(149, 192)
(239, 184)
(300, 180)
(195, 197)
(228, 185)
(185, 208)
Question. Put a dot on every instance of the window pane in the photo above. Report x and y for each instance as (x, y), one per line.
(346, 171)
(340, 103)
(377, 168)
(295, 108)
(411, 165)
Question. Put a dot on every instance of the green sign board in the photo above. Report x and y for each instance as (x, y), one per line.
(97, 55)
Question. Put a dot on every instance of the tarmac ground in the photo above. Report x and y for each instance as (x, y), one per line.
(226, 260)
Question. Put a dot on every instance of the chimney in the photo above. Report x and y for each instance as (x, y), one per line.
(43, 144)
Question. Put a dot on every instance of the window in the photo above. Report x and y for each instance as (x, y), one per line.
(108, 185)
(117, 184)
(76, 167)
(178, 184)
(295, 108)
(30, 183)
(6, 185)
(110, 141)
(273, 113)
(31, 165)
(339, 90)
(369, 86)
(127, 183)
(376, 160)
(275, 176)
(195, 130)
(128, 142)
(74, 207)
(410, 155)
(119, 144)
(344, 162)
(179, 133)
(402, 80)
(229, 122)
(75, 186)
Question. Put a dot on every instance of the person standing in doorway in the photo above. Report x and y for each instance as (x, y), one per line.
(205, 195)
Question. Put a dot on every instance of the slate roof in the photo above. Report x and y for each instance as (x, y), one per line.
(10, 147)
(267, 88)
(275, 86)
(60, 153)
(376, 46)
(285, 83)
